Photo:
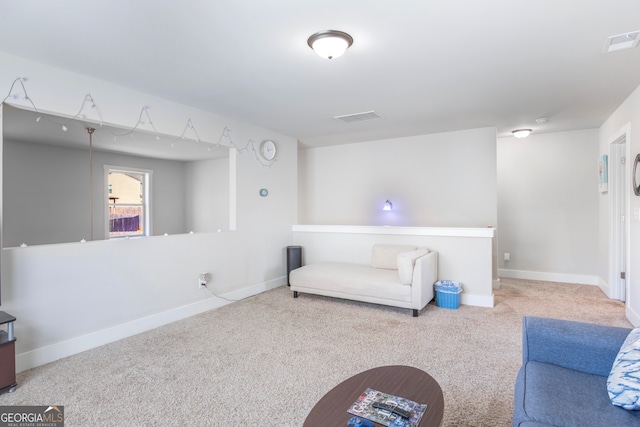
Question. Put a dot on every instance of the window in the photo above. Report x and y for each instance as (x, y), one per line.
(127, 202)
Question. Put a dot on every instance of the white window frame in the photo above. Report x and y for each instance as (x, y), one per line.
(146, 199)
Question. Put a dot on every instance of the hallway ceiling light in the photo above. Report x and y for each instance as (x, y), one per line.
(330, 44)
(521, 133)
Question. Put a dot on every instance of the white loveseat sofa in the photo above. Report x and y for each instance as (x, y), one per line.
(399, 276)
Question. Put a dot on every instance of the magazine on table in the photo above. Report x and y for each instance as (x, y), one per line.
(381, 408)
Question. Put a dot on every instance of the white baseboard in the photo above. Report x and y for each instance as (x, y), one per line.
(604, 286)
(476, 300)
(549, 277)
(59, 350)
(633, 316)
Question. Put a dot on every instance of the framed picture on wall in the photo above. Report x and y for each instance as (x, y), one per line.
(603, 174)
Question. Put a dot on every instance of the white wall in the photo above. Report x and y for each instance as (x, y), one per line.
(37, 208)
(73, 296)
(627, 114)
(445, 179)
(207, 195)
(548, 206)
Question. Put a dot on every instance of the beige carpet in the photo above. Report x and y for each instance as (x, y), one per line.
(265, 361)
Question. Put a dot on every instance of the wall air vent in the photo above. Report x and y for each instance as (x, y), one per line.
(359, 117)
(622, 41)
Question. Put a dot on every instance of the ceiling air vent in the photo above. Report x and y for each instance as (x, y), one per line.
(622, 41)
(359, 117)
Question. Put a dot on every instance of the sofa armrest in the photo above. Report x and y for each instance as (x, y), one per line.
(425, 274)
(584, 347)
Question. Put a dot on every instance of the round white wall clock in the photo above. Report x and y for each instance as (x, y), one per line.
(268, 150)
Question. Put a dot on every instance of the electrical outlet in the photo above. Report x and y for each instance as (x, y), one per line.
(203, 280)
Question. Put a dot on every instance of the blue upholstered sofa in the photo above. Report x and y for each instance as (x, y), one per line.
(563, 378)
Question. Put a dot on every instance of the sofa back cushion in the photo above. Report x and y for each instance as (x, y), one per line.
(386, 256)
(406, 262)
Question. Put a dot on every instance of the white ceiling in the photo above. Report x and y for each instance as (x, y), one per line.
(425, 66)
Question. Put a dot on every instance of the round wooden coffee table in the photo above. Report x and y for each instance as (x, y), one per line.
(403, 381)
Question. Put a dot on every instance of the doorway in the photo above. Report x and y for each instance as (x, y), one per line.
(619, 214)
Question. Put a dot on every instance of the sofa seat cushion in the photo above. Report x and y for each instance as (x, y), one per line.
(352, 279)
(563, 397)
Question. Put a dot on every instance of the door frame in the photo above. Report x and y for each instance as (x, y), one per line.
(619, 218)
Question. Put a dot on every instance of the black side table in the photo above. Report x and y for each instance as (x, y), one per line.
(7, 354)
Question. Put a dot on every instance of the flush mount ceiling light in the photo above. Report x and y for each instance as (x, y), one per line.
(521, 133)
(387, 206)
(330, 44)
